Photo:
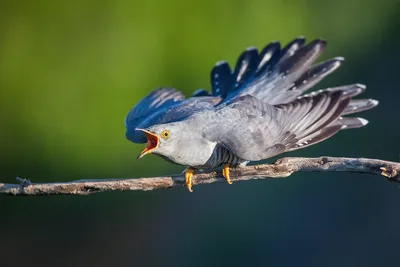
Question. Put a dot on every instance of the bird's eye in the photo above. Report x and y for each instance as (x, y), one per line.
(165, 134)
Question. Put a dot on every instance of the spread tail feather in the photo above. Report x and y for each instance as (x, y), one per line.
(320, 132)
(358, 105)
(351, 123)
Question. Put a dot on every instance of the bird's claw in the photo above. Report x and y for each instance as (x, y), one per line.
(188, 179)
(225, 173)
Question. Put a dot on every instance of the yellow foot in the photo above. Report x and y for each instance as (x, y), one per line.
(225, 173)
(188, 179)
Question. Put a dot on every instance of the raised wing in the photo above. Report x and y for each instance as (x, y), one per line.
(254, 130)
(291, 72)
(246, 66)
(221, 79)
(180, 111)
(275, 75)
(176, 112)
(156, 101)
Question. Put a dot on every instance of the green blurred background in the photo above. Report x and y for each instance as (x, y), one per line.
(71, 70)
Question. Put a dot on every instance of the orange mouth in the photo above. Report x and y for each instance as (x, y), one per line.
(152, 143)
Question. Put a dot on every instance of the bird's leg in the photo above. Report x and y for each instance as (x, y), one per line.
(225, 173)
(188, 178)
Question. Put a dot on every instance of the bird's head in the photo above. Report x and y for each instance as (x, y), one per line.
(178, 143)
(161, 140)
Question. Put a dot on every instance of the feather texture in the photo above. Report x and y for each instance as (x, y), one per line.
(254, 130)
(221, 79)
(158, 99)
(255, 111)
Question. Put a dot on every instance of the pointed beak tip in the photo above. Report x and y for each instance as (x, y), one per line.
(142, 154)
(152, 142)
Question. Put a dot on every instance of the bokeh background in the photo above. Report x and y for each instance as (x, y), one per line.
(71, 70)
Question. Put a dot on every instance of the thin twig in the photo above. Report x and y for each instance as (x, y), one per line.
(280, 169)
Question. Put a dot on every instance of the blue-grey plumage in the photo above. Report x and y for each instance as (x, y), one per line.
(177, 112)
(251, 130)
(221, 79)
(257, 111)
(246, 66)
(156, 101)
(254, 74)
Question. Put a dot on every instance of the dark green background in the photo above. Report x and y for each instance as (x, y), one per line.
(70, 71)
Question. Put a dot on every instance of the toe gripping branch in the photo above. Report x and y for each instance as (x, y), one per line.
(188, 179)
(189, 176)
(225, 173)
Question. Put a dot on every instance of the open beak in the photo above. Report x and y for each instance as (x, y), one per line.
(152, 142)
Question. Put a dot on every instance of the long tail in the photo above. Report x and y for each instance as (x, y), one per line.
(349, 106)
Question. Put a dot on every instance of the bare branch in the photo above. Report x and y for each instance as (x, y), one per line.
(280, 169)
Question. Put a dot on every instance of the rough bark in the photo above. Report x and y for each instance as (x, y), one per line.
(280, 169)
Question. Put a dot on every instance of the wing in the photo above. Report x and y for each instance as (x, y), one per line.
(201, 92)
(157, 100)
(224, 81)
(279, 75)
(246, 66)
(221, 79)
(254, 130)
(275, 75)
(180, 111)
(176, 112)
(290, 74)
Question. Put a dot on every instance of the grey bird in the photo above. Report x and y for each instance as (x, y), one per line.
(256, 117)
(263, 75)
